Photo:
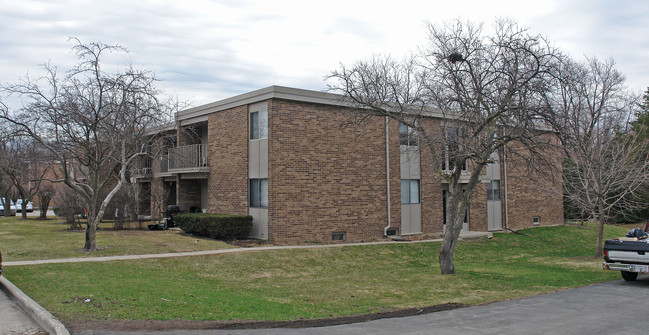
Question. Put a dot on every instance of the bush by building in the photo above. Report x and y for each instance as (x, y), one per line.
(217, 226)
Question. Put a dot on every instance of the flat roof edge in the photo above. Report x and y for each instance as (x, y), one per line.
(279, 92)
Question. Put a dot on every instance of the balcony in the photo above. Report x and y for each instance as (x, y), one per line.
(188, 158)
(142, 167)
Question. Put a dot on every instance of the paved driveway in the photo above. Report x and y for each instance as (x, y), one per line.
(13, 320)
(612, 308)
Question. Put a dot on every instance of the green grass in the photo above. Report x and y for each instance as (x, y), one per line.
(33, 239)
(317, 283)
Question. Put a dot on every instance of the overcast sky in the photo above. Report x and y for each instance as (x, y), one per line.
(204, 51)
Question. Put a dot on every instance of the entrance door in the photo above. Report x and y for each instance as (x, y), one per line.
(494, 206)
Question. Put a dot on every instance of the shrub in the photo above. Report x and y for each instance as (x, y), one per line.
(218, 226)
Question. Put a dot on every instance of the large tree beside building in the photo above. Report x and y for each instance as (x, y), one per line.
(92, 120)
(490, 91)
(607, 167)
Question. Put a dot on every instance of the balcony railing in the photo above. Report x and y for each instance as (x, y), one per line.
(188, 158)
(142, 167)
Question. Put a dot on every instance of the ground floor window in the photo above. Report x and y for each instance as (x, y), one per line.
(493, 190)
(259, 193)
(409, 191)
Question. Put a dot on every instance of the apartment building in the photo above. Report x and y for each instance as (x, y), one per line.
(290, 158)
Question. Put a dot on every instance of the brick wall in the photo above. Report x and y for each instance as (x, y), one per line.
(189, 194)
(228, 161)
(534, 194)
(325, 178)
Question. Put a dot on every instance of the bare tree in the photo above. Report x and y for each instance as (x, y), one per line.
(607, 164)
(24, 162)
(92, 121)
(44, 195)
(489, 91)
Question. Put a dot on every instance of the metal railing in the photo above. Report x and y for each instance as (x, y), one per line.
(188, 158)
(142, 167)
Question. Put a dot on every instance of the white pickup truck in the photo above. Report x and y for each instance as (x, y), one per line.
(629, 255)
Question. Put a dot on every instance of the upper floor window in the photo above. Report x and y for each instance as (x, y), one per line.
(258, 125)
(451, 150)
(408, 136)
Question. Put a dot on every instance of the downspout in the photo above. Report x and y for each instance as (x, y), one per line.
(505, 189)
(387, 174)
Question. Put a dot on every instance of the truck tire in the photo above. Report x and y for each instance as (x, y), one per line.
(629, 276)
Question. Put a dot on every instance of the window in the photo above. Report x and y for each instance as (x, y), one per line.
(409, 191)
(493, 190)
(338, 236)
(259, 193)
(408, 136)
(258, 125)
(537, 220)
(451, 149)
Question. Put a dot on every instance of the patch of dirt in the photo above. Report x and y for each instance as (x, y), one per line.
(75, 326)
(249, 243)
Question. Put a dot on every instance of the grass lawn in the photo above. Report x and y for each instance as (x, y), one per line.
(316, 283)
(34, 239)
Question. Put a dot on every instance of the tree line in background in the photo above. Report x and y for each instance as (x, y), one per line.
(499, 93)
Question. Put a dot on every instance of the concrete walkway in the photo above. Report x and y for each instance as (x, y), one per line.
(464, 236)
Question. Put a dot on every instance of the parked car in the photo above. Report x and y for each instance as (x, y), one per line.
(12, 207)
(19, 206)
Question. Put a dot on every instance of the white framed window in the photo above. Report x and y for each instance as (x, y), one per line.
(409, 191)
(408, 136)
(259, 193)
(259, 125)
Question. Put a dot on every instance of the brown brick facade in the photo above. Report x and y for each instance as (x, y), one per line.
(534, 194)
(326, 178)
(228, 161)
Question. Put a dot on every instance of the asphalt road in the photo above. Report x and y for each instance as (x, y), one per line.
(611, 308)
(13, 321)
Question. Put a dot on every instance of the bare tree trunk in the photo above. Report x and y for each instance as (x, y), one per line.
(23, 210)
(599, 220)
(453, 228)
(91, 234)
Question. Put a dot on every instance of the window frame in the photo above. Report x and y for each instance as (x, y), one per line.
(258, 192)
(408, 195)
(259, 125)
(493, 191)
(408, 136)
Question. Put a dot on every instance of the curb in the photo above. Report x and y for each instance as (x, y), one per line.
(44, 318)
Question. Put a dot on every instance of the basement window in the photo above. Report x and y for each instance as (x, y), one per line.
(340, 236)
(537, 220)
(392, 232)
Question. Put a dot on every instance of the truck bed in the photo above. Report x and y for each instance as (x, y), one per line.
(633, 252)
